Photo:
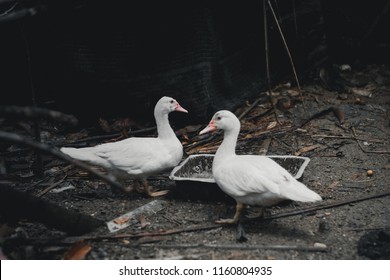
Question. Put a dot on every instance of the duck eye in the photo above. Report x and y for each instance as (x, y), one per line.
(219, 118)
(171, 101)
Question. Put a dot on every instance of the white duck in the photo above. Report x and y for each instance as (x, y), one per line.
(251, 179)
(139, 157)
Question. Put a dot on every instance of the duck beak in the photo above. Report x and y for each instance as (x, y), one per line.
(209, 128)
(178, 108)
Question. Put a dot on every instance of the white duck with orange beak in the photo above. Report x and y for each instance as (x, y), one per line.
(251, 179)
(139, 157)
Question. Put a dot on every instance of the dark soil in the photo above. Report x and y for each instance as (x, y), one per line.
(348, 145)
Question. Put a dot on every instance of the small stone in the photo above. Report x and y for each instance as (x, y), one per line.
(320, 245)
(370, 172)
(343, 96)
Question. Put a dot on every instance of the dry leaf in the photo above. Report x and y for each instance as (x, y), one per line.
(307, 149)
(272, 125)
(78, 251)
(121, 220)
(144, 223)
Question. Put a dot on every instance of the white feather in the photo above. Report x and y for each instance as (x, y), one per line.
(138, 157)
(251, 179)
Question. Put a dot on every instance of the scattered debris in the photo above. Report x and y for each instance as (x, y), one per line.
(366, 91)
(145, 210)
(307, 149)
(340, 172)
(241, 247)
(271, 125)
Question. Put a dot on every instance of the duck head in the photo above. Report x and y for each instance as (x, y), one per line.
(168, 104)
(224, 120)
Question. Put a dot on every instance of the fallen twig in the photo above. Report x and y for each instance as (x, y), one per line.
(269, 92)
(253, 105)
(35, 112)
(15, 138)
(237, 247)
(326, 206)
(207, 140)
(346, 137)
(289, 55)
(364, 150)
(142, 234)
(52, 186)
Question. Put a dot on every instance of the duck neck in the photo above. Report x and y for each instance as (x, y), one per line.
(228, 146)
(164, 130)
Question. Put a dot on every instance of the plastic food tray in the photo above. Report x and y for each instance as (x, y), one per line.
(194, 178)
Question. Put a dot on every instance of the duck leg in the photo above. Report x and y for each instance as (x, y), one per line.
(150, 192)
(137, 186)
(236, 218)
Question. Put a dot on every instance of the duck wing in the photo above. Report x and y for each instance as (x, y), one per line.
(249, 174)
(136, 156)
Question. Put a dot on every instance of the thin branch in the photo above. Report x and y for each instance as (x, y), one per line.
(254, 104)
(35, 112)
(364, 150)
(15, 138)
(9, 10)
(143, 234)
(52, 186)
(326, 206)
(267, 60)
(266, 46)
(289, 54)
(250, 108)
(237, 247)
(346, 137)
(207, 140)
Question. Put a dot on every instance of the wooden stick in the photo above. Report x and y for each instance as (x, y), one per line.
(269, 91)
(364, 150)
(35, 112)
(346, 137)
(72, 239)
(253, 105)
(237, 247)
(289, 54)
(326, 206)
(52, 186)
(15, 138)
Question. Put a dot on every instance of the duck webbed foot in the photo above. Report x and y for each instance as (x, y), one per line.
(236, 218)
(149, 191)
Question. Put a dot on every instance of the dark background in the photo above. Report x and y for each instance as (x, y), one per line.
(104, 59)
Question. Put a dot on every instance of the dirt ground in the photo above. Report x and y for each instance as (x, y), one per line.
(348, 144)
